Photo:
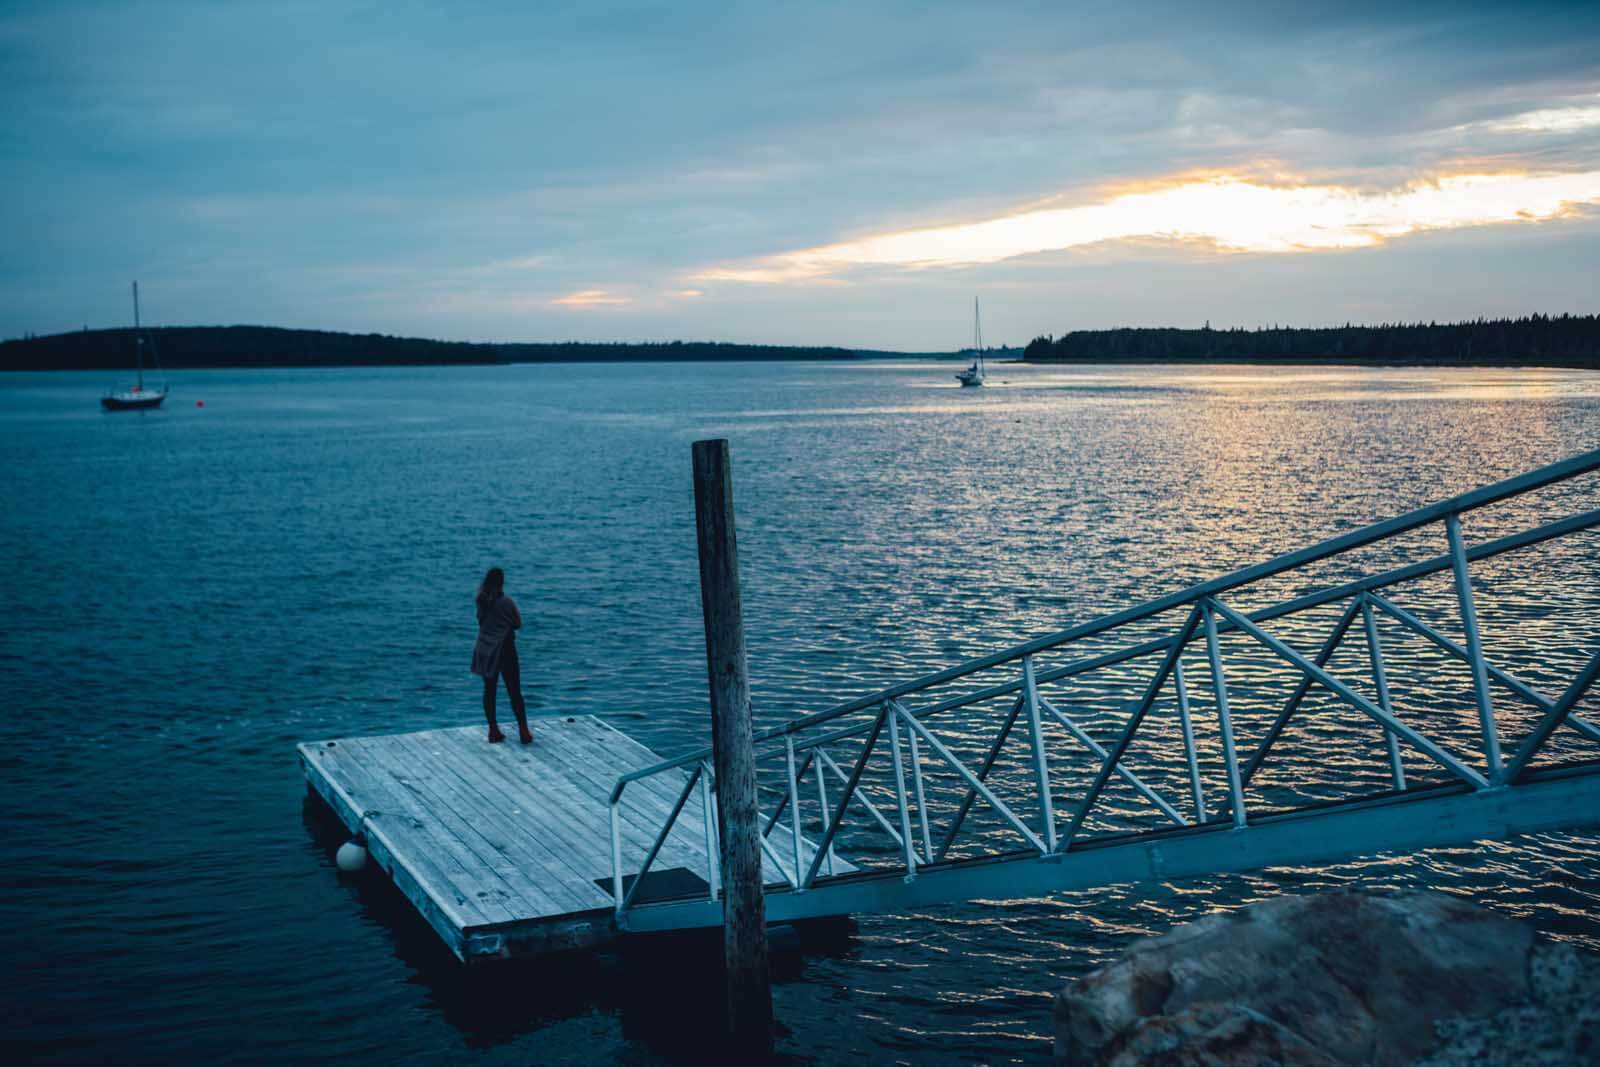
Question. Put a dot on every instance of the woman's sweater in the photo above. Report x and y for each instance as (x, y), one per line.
(497, 622)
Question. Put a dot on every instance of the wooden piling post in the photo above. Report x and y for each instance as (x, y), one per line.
(744, 919)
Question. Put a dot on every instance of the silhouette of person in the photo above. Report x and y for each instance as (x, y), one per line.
(495, 655)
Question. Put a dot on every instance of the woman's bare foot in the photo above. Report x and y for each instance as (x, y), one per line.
(527, 736)
(495, 734)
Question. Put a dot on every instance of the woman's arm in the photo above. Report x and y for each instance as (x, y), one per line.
(515, 616)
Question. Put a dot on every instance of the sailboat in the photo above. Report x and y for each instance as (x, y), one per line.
(137, 397)
(973, 375)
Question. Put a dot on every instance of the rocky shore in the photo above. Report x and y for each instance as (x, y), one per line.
(1338, 978)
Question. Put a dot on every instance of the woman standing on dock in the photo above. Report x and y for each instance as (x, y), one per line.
(495, 655)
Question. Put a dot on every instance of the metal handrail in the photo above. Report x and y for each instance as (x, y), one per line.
(1208, 617)
(1463, 502)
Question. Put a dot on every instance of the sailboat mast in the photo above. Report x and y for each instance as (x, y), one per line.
(977, 332)
(138, 336)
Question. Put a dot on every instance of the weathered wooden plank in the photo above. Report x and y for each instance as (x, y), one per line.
(596, 773)
(642, 814)
(491, 870)
(565, 811)
(473, 816)
(413, 875)
(555, 759)
(381, 849)
(467, 873)
(402, 823)
(510, 805)
(600, 762)
(457, 816)
(381, 761)
(629, 750)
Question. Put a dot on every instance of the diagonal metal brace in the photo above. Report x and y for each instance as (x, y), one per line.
(777, 813)
(1511, 682)
(661, 839)
(1259, 756)
(1553, 717)
(972, 779)
(983, 773)
(861, 795)
(826, 843)
(1361, 703)
(1100, 750)
(1115, 755)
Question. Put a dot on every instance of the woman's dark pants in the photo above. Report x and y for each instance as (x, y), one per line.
(511, 671)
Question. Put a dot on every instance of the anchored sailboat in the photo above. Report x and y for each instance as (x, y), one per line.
(137, 397)
(973, 375)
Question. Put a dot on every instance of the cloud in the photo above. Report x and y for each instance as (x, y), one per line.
(591, 298)
(1228, 213)
(1549, 120)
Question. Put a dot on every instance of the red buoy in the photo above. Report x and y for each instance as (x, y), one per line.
(199, 403)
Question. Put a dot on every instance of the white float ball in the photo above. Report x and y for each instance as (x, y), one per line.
(352, 856)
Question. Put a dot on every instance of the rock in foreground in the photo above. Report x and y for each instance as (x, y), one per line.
(1326, 979)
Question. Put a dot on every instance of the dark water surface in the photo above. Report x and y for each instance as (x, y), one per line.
(188, 593)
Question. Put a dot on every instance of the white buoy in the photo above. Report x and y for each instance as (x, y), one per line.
(352, 855)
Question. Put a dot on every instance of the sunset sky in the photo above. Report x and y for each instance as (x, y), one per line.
(795, 173)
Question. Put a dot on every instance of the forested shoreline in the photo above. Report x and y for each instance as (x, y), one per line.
(1536, 340)
(180, 347)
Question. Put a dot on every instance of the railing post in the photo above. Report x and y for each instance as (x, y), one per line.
(713, 868)
(822, 808)
(1229, 756)
(906, 841)
(794, 811)
(1469, 622)
(1041, 766)
(616, 858)
(744, 919)
(661, 837)
(1187, 723)
(922, 802)
(1381, 681)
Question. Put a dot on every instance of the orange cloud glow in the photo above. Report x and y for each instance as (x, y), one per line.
(1229, 213)
(590, 298)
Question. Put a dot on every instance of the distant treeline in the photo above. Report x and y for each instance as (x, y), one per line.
(1538, 340)
(178, 347)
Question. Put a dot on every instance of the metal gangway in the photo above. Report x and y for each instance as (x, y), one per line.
(1319, 706)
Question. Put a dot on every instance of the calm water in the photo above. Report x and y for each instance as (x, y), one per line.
(190, 592)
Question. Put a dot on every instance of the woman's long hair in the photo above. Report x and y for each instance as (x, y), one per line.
(494, 585)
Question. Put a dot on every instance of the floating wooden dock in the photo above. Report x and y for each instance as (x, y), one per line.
(506, 849)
